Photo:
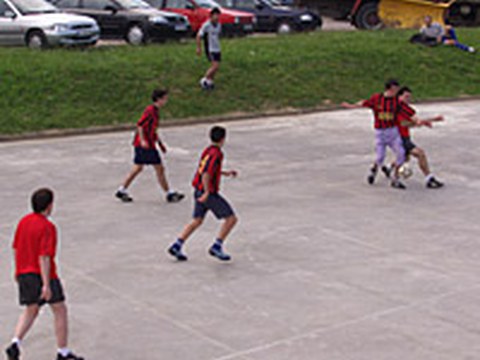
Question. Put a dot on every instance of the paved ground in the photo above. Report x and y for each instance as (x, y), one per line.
(325, 266)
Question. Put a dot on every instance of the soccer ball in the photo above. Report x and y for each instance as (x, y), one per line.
(405, 171)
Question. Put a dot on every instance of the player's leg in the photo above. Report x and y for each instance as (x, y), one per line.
(380, 151)
(199, 212)
(223, 211)
(431, 181)
(122, 192)
(212, 71)
(24, 324)
(60, 318)
(172, 196)
(396, 144)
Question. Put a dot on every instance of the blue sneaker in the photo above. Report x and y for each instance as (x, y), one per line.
(176, 252)
(217, 252)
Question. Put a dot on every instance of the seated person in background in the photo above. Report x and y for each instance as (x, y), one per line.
(433, 33)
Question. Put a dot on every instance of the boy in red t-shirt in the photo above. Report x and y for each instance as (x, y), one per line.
(207, 183)
(146, 152)
(35, 247)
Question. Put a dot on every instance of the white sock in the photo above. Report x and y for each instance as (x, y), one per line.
(64, 351)
(170, 192)
(17, 341)
(209, 82)
(122, 189)
(428, 178)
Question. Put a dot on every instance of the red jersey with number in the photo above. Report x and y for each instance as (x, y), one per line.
(35, 236)
(149, 124)
(405, 116)
(385, 110)
(210, 163)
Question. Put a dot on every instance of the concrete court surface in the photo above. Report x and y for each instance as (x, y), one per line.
(325, 266)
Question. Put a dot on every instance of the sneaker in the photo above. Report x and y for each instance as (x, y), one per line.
(175, 197)
(397, 184)
(13, 352)
(372, 176)
(471, 50)
(204, 84)
(176, 252)
(70, 356)
(123, 196)
(434, 184)
(217, 252)
(386, 171)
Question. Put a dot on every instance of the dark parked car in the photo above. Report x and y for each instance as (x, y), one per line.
(362, 13)
(132, 20)
(274, 17)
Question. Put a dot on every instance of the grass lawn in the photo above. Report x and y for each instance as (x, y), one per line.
(111, 85)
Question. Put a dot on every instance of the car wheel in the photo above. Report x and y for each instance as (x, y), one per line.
(367, 17)
(37, 40)
(284, 28)
(136, 35)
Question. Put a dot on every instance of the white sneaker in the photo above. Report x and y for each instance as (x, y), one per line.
(471, 49)
(204, 83)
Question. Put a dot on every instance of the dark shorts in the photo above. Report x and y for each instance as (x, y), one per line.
(30, 290)
(214, 56)
(147, 156)
(216, 203)
(408, 145)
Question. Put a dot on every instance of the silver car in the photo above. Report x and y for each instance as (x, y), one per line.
(38, 24)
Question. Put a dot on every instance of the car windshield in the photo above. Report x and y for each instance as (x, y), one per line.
(133, 4)
(28, 7)
(208, 4)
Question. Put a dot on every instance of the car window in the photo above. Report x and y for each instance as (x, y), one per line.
(226, 3)
(4, 8)
(29, 7)
(177, 4)
(246, 4)
(207, 4)
(67, 4)
(97, 4)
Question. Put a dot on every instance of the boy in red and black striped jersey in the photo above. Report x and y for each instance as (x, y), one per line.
(146, 152)
(35, 248)
(207, 198)
(409, 119)
(386, 108)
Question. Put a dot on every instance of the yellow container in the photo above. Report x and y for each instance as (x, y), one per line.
(409, 14)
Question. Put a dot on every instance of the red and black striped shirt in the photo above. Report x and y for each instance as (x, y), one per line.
(386, 110)
(149, 124)
(210, 163)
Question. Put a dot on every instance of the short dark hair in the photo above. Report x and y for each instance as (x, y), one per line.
(41, 199)
(217, 134)
(391, 83)
(403, 90)
(214, 11)
(159, 94)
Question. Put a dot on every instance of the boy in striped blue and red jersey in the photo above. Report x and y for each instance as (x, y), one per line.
(146, 152)
(207, 198)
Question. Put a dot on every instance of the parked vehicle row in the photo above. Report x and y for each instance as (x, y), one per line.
(40, 24)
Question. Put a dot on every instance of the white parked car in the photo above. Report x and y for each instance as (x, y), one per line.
(39, 24)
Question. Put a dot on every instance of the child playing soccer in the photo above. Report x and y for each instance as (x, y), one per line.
(146, 152)
(406, 121)
(210, 32)
(206, 183)
(386, 108)
(34, 249)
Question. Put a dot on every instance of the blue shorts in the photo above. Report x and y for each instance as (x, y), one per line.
(147, 156)
(215, 202)
(214, 56)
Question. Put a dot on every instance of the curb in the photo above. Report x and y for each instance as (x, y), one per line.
(94, 130)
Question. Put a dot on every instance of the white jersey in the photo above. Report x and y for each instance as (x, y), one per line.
(211, 33)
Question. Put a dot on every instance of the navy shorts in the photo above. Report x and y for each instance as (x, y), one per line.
(30, 290)
(408, 145)
(214, 56)
(215, 202)
(147, 156)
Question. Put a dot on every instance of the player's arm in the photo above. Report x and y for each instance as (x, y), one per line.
(357, 105)
(232, 173)
(141, 134)
(416, 121)
(45, 274)
(200, 34)
(163, 147)
(206, 187)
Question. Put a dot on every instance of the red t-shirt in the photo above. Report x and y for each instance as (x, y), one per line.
(149, 124)
(385, 109)
(405, 116)
(210, 163)
(35, 236)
